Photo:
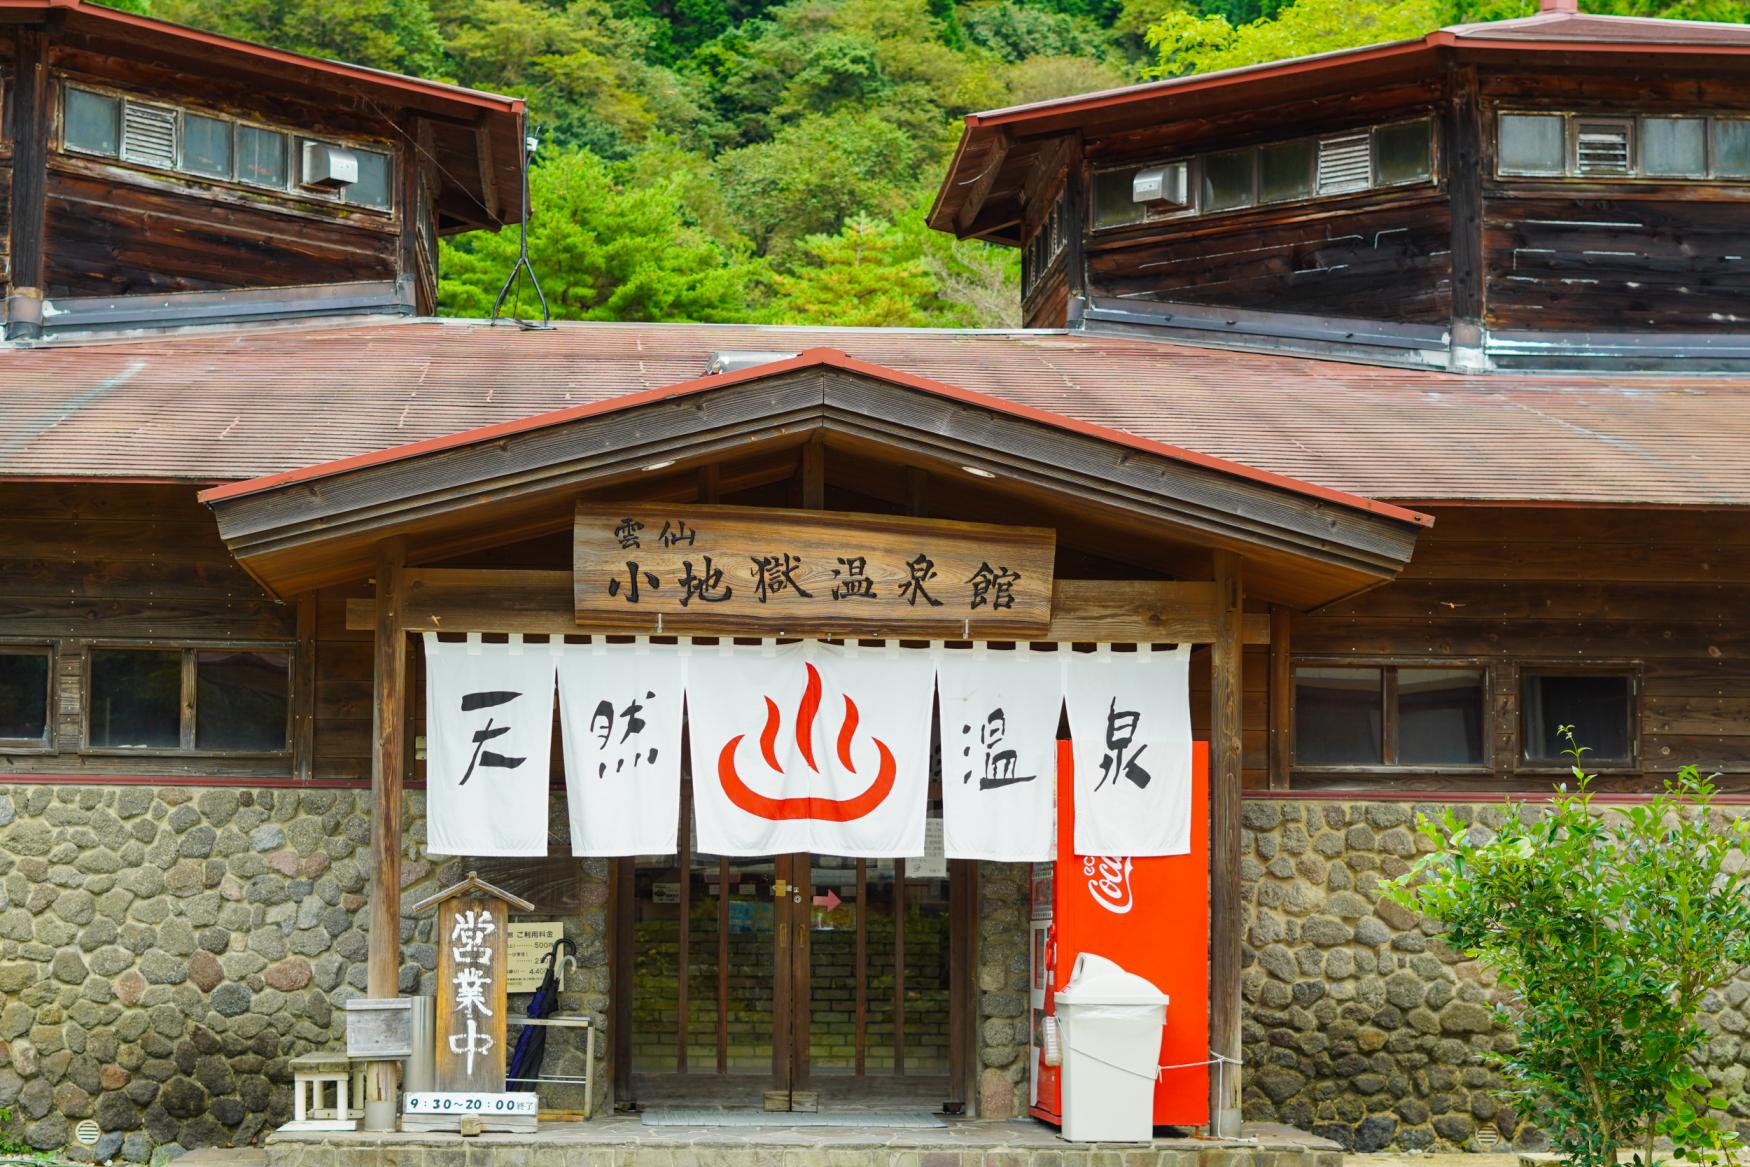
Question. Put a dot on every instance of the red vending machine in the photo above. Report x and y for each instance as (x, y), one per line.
(1151, 916)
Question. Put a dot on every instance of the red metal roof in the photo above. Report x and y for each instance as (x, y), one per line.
(829, 358)
(238, 404)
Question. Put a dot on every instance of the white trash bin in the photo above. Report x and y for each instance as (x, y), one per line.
(1112, 1022)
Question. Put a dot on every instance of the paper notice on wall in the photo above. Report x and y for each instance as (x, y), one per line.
(933, 863)
(526, 945)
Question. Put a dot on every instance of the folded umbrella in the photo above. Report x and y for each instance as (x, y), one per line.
(531, 1044)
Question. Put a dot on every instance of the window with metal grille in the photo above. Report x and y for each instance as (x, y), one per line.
(1603, 146)
(149, 134)
(169, 137)
(1345, 163)
(1668, 147)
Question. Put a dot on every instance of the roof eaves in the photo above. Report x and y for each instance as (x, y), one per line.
(816, 357)
(433, 89)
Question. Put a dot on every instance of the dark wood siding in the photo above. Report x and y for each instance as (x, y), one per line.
(107, 236)
(1608, 262)
(1660, 592)
(1385, 256)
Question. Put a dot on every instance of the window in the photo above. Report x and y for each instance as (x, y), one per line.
(206, 146)
(1403, 153)
(1285, 171)
(24, 697)
(1663, 146)
(1275, 172)
(91, 123)
(1533, 144)
(261, 156)
(1674, 147)
(240, 700)
(186, 699)
(1600, 706)
(1731, 147)
(168, 137)
(136, 699)
(372, 188)
(1413, 716)
(1047, 244)
(1228, 179)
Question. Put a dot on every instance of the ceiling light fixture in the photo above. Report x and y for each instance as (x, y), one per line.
(978, 473)
(663, 465)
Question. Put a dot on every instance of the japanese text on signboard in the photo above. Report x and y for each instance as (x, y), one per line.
(736, 567)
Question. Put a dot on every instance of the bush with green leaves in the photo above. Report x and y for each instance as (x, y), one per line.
(1606, 931)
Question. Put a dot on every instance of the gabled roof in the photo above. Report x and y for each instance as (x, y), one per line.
(231, 404)
(483, 487)
(476, 137)
(998, 147)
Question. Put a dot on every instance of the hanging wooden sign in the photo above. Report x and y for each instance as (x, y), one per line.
(690, 568)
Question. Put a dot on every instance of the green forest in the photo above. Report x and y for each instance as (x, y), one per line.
(772, 160)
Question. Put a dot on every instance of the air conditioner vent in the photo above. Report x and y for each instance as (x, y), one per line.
(149, 134)
(1345, 163)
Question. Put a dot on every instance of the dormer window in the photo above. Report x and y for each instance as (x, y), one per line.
(1569, 145)
(208, 146)
(1397, 154)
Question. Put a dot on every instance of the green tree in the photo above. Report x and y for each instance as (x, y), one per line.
(857, 276)
(1605, 930)
(816, 174)
(1187, 43)
(605, 250)
(401, 35)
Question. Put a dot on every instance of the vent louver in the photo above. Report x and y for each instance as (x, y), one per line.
(1602, 147)
(149, 134)
(1345, 163)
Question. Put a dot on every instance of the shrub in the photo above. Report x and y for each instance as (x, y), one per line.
(1606, 931)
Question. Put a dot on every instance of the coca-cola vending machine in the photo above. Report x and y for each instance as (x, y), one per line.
(1151, 916)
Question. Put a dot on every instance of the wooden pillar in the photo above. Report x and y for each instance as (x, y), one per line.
(1226, 688)
(388, 763)
(32, 108)
(304, 692)
(1281, 697)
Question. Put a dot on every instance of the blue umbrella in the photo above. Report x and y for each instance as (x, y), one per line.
(531, 1044)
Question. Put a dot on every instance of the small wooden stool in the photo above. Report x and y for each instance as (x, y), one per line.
(313, 1076)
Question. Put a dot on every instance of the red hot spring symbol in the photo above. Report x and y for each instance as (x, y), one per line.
(837, 810)
(1109, 883)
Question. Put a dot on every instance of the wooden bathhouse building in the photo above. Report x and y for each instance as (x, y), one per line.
(1406, 385)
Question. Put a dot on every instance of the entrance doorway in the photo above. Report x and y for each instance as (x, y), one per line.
(788, 981)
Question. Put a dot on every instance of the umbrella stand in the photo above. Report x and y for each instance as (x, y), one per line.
(531, 1044)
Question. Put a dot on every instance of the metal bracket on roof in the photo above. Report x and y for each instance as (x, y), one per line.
(522, 264)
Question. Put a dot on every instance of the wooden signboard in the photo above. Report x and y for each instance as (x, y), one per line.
(471, 937)
(695, 568)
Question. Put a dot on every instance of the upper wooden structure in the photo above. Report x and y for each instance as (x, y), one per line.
(156, 175)
(1560, 191)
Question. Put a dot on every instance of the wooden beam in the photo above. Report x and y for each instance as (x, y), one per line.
(814, 474)
(1227, 688)
(1281, 697)
(304, 691)
(969, 206)
(488, 179)
(541, 602)
(388, 763)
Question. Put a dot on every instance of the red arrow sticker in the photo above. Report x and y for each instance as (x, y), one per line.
(829, 901)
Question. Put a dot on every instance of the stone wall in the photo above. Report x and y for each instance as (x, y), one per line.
(1004, 1023)
(1360, 1025)
(164, 951)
